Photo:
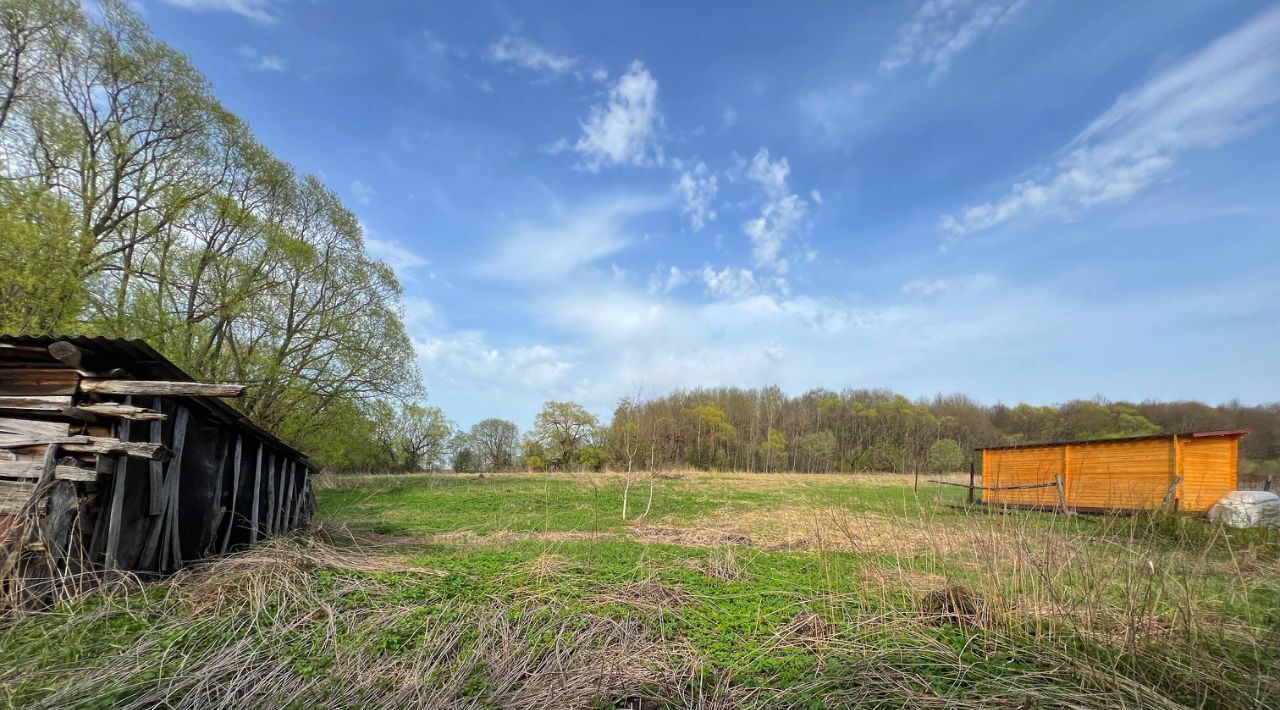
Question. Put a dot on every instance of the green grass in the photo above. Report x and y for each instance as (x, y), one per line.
(770, 591)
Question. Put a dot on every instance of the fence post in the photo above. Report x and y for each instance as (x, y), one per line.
(1062, 493)
(970, 481)
(915, 484)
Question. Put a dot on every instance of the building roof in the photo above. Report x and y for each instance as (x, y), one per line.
(1181, 435)
(142, 362)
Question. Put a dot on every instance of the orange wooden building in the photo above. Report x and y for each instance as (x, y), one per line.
(1183, 471)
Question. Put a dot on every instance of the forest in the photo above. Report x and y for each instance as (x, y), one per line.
(855, 430)
(133, 204)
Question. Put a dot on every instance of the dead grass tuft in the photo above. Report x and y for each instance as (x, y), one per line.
(725, 562)
(954, 604)
(692, 537)
(646, 594)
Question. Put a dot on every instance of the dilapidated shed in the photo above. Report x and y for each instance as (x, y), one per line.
(113, 458)
(1189, 471)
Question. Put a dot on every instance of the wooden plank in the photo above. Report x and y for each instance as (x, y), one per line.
(257, 489)
(34, 403)
(282, 525)
(288, 497)
(96, 445)
(160, 388)
(31, 470)
(297, 503)
(55, 527)
(33, 428)
(117, 410)
(278, 503)
(155, 494)
(112, 561)
(14, 495)
(218, 510)
(1019, 487)
(171, 547)
(271, 494)
(43, 381)
(7, 349)
(235, 493)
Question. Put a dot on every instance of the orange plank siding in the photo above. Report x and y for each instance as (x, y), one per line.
(1208, 471)
(1018, 467)
(1188, 471)
(1130, 475)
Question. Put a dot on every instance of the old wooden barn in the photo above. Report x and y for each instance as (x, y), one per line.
(111, 457)
(1181, 471)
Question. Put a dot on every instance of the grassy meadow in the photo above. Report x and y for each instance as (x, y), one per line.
(718, 590)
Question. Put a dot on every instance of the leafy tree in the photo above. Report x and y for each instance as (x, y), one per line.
(712, 434)
(494, 443)
(463, 456)
(563, 427)
(421, 437)
(533, 455)
(819, 449)
(773, 450)
(170, 222)
(945, 455)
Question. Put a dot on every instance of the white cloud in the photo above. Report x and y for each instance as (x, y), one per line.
(362, 192)
(525, 54)
(667, 281)
(568, 241)
(465, 361)
(782, 215)
(698, 187)
(257, 10)
(941, 29)
(1200, 102)
(257, 61)
(400, 258)
(622, 130)
(729, 282)
(815, 196)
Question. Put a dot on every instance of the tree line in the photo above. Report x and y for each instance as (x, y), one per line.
(818, 431)
(133, 204)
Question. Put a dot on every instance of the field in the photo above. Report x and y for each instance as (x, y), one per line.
(735, 590)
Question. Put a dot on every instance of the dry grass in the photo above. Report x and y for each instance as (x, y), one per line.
(917, 606)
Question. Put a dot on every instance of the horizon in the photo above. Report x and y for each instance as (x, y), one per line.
(1009, 200)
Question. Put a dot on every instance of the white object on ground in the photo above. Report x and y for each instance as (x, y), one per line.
(1247, 509)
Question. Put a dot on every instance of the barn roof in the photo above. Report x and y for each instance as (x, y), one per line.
(142, 362)
(1180, 435)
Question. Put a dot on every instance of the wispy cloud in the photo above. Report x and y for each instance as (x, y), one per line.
(557, 247)
(941, 29)
(1200, 102)
(400, 258)
(698, 187)
(361, 192)
(264, 11)
(257, 61)
(623, 130)
(667, 281)
(782, 215)
(523, 53)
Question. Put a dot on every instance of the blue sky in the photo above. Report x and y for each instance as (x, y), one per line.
(1021, 200)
